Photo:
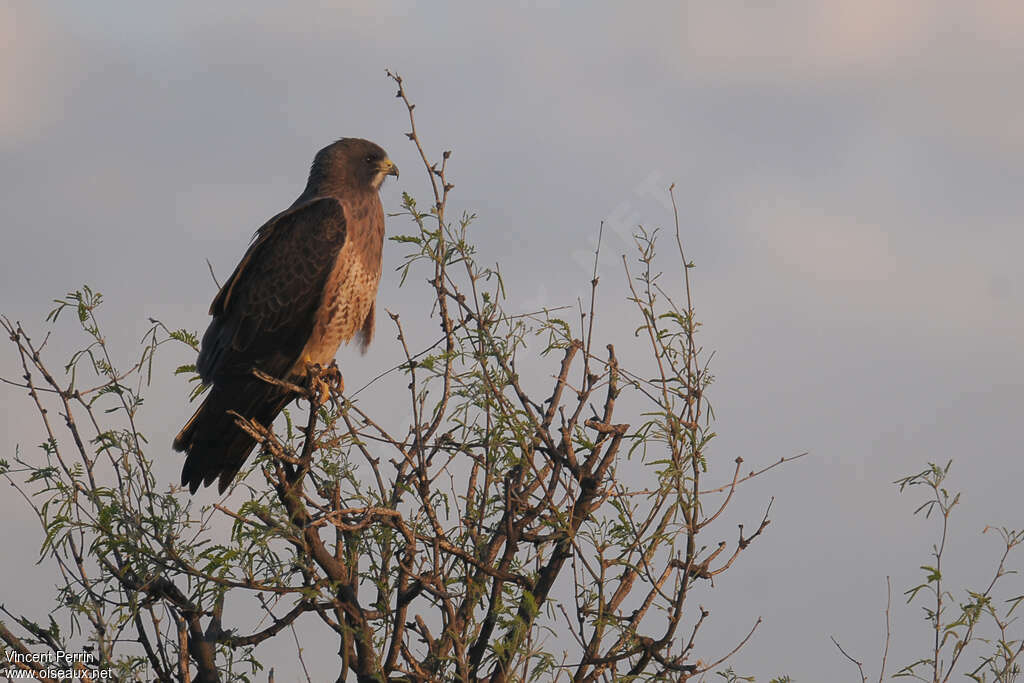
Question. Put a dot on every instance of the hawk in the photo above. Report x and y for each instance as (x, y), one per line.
(307, 283)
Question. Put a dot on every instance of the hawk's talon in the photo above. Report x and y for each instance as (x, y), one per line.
(332, 375)
(324, 383)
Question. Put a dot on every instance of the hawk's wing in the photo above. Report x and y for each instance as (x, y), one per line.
(265, 312)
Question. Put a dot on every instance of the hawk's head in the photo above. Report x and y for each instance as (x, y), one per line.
(350, 164)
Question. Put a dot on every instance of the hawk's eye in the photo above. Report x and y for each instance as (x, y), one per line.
(369, 159)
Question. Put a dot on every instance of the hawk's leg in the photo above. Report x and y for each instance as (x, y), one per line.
(335, 382)
(324, 383)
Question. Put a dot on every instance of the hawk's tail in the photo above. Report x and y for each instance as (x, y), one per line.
(216, 446)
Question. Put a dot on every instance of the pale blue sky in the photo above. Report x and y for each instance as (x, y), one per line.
(849, 176)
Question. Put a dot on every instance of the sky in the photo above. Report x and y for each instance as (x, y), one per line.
(849, 181)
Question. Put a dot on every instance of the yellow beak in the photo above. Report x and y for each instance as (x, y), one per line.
(388, 167)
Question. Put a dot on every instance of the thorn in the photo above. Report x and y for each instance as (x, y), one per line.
(447, 153)
(411, 136)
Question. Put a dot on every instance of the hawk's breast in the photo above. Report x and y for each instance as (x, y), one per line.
(347, 297)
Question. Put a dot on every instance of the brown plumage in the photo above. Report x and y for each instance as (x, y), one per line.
(307, 283)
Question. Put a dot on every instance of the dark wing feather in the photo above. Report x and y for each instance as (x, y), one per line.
(265, 312)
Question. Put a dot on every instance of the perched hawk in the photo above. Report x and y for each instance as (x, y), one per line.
(306, 284)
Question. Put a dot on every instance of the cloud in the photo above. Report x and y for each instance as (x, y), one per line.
(882, 264)
(943, 67)
(797, 39)
(29, 65)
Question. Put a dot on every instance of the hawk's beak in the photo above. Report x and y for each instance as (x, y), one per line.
(388, 167)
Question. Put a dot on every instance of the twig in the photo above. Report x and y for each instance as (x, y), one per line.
(860, 667)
